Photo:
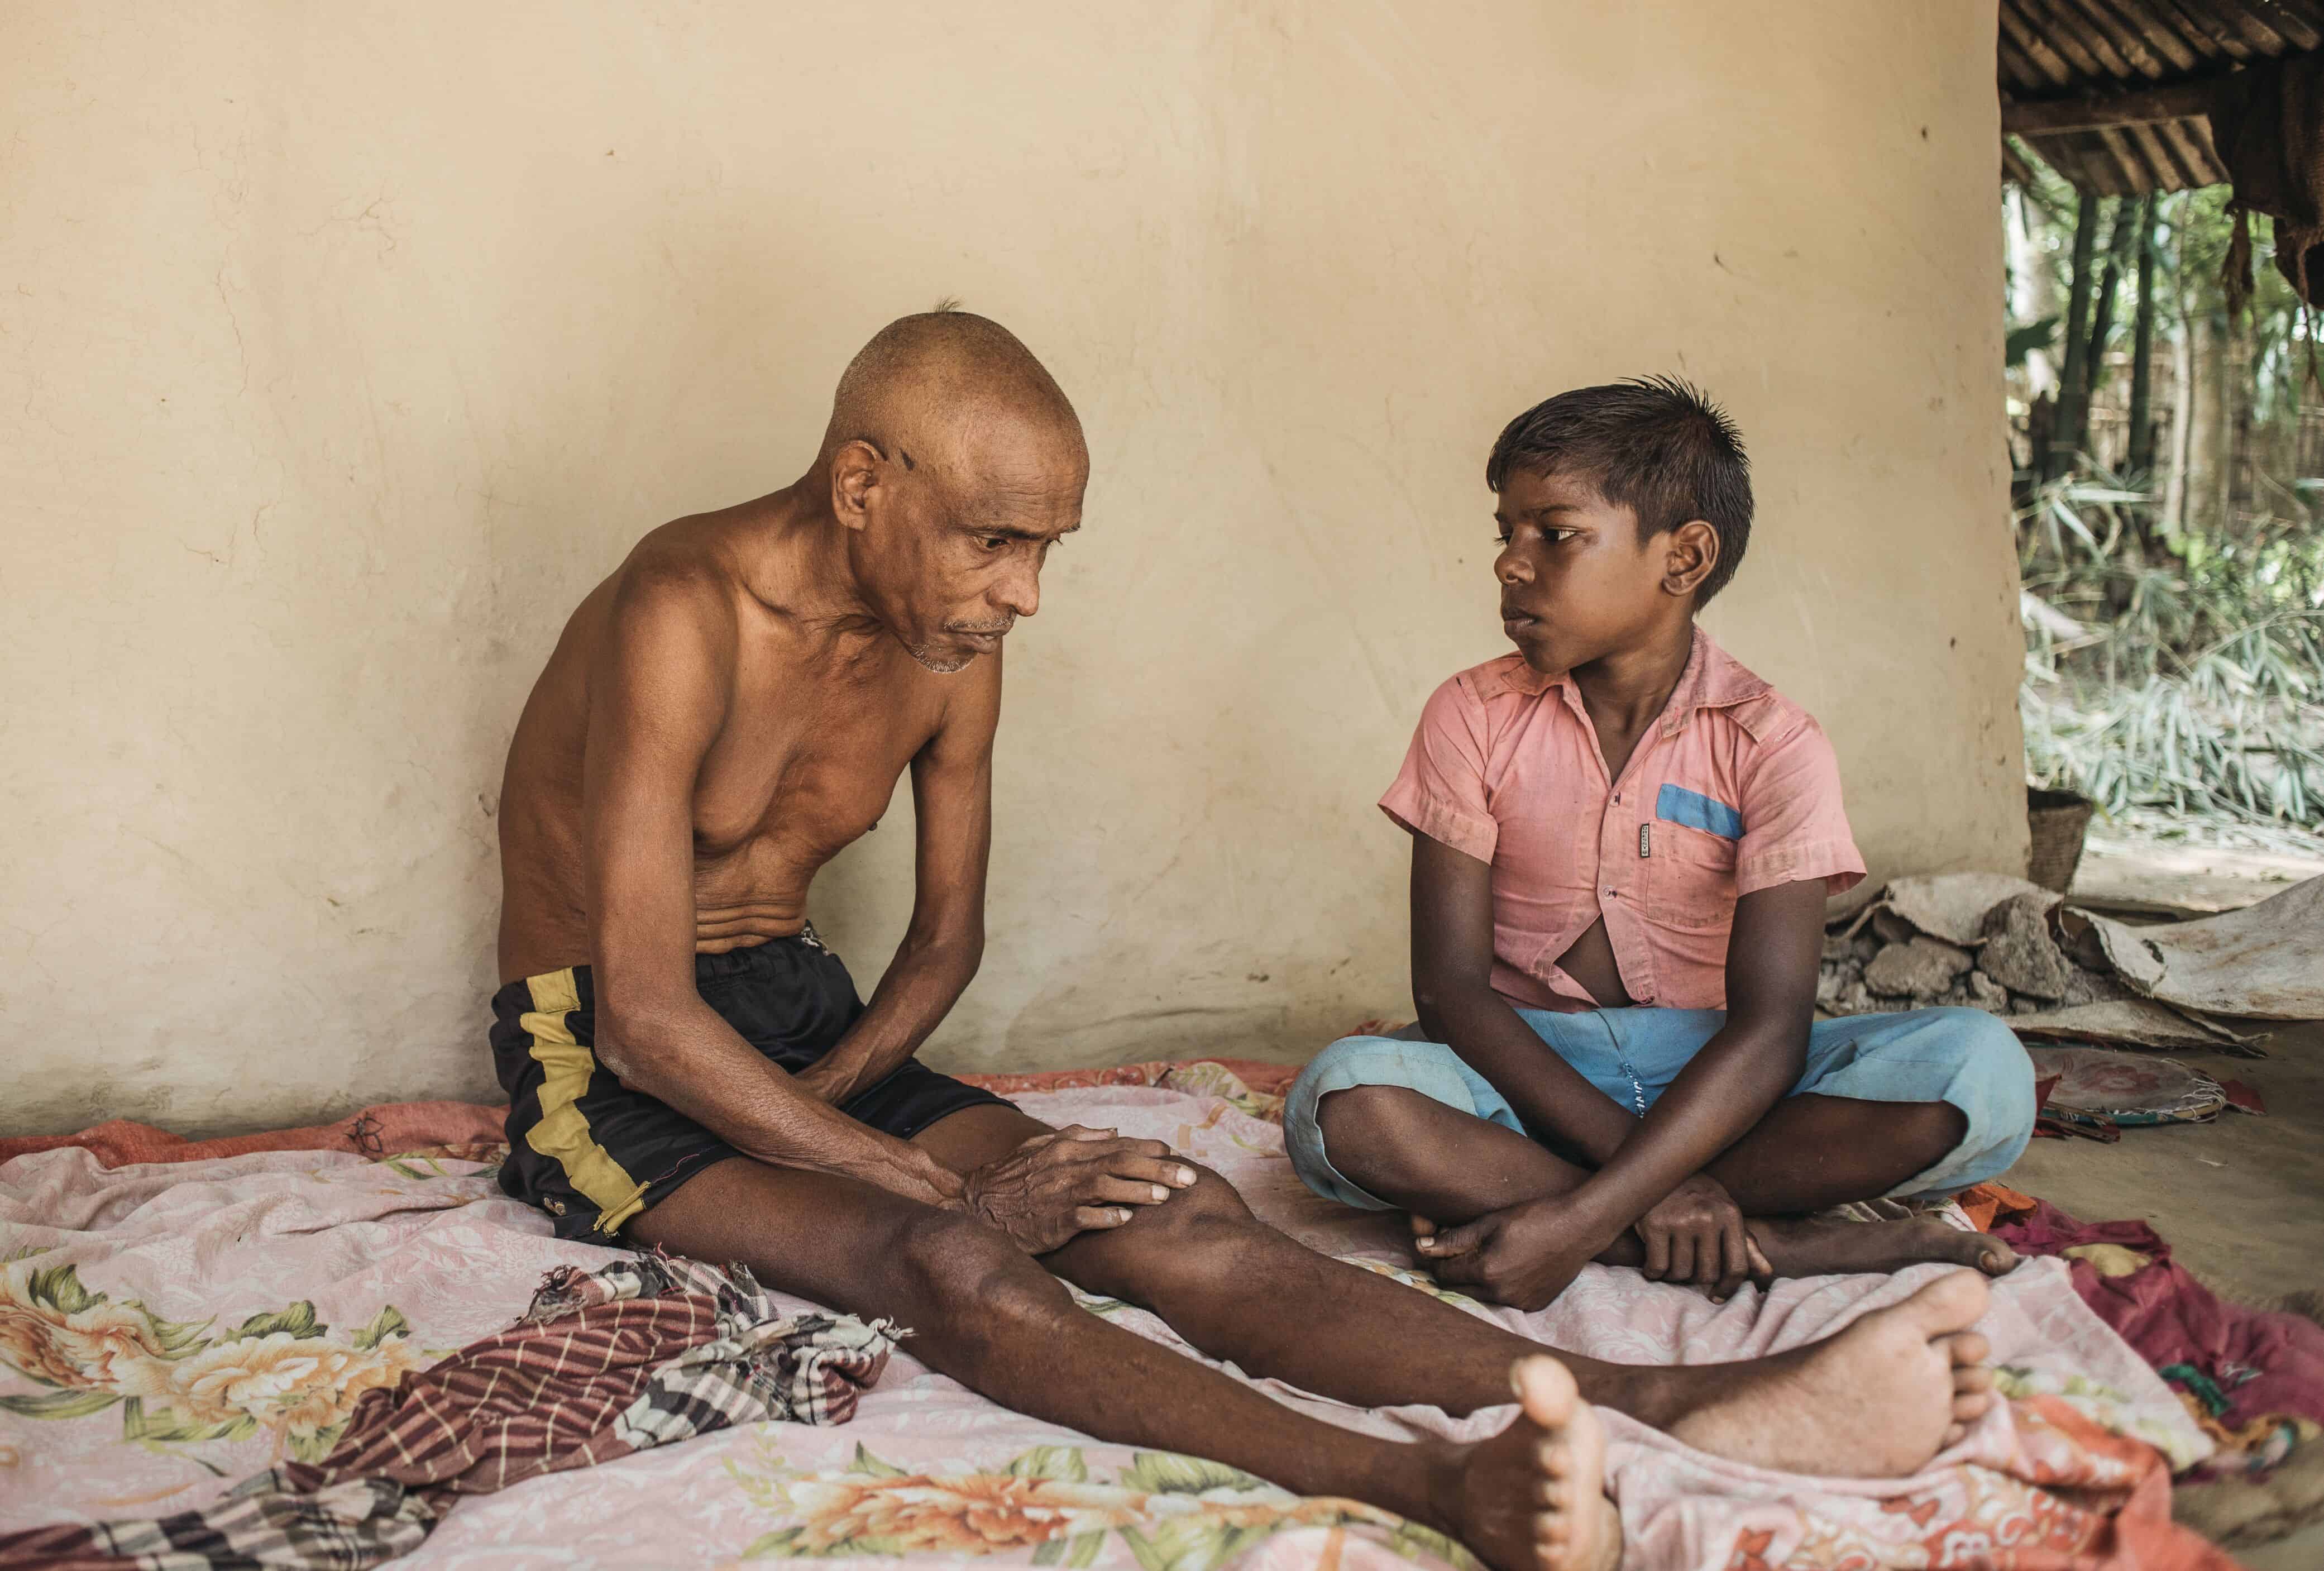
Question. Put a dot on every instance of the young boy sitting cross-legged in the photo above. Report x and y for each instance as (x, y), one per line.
(1621, 844)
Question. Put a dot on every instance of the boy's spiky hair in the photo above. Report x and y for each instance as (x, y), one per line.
(1654, 444)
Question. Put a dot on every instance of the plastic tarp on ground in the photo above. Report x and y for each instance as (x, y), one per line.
(2265, 961)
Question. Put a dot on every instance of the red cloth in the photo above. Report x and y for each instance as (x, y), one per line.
(1989, 1202)
(391, 1128)
(2260, 1362)
(383, 1128)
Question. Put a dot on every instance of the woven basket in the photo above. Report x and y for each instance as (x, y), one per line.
(2058, 820)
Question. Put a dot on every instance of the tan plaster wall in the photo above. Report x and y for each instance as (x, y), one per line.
(342, 348)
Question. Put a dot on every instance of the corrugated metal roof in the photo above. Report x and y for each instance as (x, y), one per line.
(2083, 49)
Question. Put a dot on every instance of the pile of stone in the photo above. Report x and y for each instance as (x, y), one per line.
(2062, 973)
(2019, 963)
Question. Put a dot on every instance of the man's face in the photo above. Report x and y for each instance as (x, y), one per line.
(953, 542)
(1577, 584)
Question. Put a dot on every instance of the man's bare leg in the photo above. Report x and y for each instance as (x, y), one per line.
(989, 1316)
(1879, 1398)
(1450, 1166)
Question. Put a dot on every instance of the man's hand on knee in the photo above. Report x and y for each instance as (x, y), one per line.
(1070, 1181)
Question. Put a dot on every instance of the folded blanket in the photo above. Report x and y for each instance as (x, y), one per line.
(648, 1351)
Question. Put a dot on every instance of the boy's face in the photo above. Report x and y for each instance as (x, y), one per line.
(1577, 584)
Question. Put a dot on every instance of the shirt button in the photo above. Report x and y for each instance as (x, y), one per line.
(1609, 894)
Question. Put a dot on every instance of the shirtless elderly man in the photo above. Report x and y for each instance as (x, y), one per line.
(690, 1067)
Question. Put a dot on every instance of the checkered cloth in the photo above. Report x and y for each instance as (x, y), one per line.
(649, 1351)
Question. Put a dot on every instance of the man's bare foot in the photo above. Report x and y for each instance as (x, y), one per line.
(1803, 1247)
(1972, 1390)
(1532, 1498)
(1878, 1400)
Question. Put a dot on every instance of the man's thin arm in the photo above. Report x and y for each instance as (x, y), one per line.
(1451, 987)
(951, 808)
(1740, 1072)
(659, 688)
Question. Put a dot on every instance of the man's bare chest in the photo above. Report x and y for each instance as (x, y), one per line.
(805, 772)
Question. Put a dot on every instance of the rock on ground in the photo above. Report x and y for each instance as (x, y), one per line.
(2019, 952)
(1982, 992)
(1923, 968)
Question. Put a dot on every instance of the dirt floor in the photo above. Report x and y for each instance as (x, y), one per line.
(2191, 877)
(2240, 1200)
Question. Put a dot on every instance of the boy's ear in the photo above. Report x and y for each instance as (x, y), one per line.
(1691, 555)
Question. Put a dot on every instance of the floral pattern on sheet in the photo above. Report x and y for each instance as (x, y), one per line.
(281, 1373)
(2106, 1406)
(1161, 1511)
(197, 1267)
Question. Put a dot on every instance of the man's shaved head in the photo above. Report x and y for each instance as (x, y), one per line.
(947, 377)
(955, 461)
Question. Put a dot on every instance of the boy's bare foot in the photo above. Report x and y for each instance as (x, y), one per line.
(1878, 1400)
(1532, 1498)
(1803, 1247)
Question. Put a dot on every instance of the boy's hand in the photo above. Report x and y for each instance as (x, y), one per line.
(1696, 1236)
(1523, 1256)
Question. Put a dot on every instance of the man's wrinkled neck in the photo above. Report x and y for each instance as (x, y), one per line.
(804, 565)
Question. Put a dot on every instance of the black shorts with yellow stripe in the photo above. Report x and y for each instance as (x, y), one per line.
(593, 1153)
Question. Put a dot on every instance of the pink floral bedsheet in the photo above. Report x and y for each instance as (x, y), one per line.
(168, 1329)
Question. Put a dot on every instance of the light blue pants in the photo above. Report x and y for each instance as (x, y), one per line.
(1962, 1055)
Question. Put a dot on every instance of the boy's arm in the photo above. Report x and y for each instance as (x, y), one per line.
(1740, 1072)
(1529, 1253)
(1451, 987)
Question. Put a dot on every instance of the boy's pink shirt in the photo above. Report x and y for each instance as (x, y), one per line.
(1505, 766)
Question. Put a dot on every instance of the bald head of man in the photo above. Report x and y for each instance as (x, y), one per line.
(955, 462)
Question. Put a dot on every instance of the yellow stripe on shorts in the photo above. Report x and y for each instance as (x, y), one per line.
(563, 1133)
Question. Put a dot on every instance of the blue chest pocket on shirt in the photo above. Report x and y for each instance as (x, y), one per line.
(1677, 805)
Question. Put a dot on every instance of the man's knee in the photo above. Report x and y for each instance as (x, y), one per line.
(975, 1276)
(1187, 1250)
(1209, 1204)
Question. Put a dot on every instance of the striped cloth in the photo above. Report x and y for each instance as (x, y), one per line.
(648, 1351)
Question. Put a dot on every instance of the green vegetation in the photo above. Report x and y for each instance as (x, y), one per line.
(2168, 455)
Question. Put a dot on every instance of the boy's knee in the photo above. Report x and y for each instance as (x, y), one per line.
(1989, 1052)
(1359, 1079)
(1344, 1062)
(1993, 1083)
(1368, 1115)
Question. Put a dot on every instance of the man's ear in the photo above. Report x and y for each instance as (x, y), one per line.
(854, 476)
(1693, 556)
